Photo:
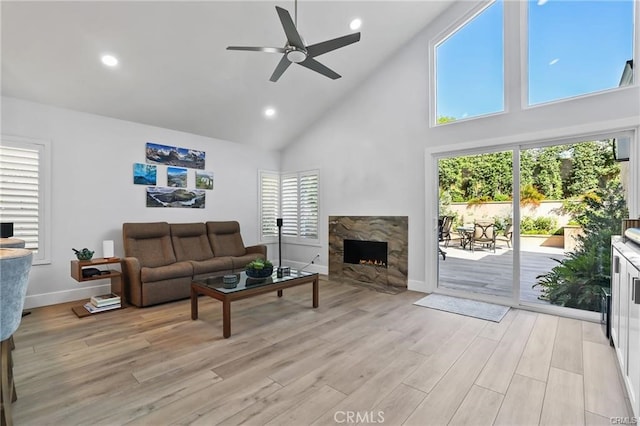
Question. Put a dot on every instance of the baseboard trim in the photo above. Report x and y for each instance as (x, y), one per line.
(46, 299)
(314, 267)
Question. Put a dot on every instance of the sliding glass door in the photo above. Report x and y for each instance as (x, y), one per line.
(545, 243)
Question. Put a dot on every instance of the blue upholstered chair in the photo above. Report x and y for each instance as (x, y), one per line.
(15, 265)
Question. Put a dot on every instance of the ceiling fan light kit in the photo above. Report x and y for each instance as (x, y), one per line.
(296, 55)
(295, 51)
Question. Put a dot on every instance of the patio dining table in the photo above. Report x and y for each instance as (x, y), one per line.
(466, 233)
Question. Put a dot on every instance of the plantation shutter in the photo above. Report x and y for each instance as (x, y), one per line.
(19, 192)
(294, 197)
(289, 206)
(269, 203)
(308, 209)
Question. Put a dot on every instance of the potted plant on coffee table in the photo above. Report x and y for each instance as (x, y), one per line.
(259, 268)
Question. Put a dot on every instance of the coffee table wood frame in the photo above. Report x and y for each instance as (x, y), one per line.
(226, 298)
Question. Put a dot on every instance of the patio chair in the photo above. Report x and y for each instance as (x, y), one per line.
(444, 229)
(507, 235)
(484, 235)
(441, 221)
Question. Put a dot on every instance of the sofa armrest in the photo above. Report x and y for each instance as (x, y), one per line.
(258, 249)
(132, 284)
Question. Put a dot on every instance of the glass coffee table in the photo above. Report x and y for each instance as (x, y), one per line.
(214, 286)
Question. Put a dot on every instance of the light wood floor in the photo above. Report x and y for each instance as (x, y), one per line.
(361, 355)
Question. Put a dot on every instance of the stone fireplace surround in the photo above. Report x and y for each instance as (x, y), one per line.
(392, 229)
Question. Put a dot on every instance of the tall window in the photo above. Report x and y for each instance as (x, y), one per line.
(577, 47)
(23, 192)
(470, 68)
(296, 202)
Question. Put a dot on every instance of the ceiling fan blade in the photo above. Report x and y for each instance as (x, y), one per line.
(316, 66)
(290, 29)
(258, 49)
(329, 45)
(280, 68)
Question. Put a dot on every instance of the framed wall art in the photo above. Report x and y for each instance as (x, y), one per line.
(204, 180)
(144, 174)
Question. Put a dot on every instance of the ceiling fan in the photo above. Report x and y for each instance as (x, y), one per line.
(295, 50)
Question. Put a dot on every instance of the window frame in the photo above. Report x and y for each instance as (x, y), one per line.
(43, 147)
(524, 61)
(442, 37)
(516, 90)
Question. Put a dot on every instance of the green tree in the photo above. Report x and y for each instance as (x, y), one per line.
(489, 176)
(548, 177)
(592, 165)
(527, 165)
(484, 176)
(450, 177)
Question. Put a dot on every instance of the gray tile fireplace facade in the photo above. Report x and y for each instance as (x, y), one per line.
(394, 230)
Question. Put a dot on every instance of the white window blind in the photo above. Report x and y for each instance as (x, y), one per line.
(294, 198)
(19, 193)
(289, 206)
(269, 204)
(25, 196)
(308, 205)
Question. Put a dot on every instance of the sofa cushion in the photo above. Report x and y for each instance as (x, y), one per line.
(163, 291)
(225, 238)
(175, 270)
(190, 241)
(149, 242)
(213, 265)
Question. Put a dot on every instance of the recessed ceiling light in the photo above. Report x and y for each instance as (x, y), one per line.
(109, 60)
(355, 24)
(270, 112)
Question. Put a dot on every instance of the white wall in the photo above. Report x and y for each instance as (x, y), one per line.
(370, 150)
(93, 191)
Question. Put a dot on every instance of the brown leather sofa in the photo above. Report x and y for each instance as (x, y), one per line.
(161, 259)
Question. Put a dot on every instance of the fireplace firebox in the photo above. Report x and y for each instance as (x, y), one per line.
(359, 252)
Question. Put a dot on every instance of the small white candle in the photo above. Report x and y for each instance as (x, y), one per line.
(107, 248)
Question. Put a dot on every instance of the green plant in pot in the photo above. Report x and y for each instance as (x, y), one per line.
(84, 254)
(259, 268)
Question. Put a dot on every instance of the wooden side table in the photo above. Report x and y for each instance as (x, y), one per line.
(115, 276)
(11, 243)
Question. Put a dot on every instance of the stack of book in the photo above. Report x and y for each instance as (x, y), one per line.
(103, 302)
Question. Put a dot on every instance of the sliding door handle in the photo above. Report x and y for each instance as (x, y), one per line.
(616, 264)
(635, 290)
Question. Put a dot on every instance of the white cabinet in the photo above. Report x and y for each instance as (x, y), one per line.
(625, 316)
(633, 362)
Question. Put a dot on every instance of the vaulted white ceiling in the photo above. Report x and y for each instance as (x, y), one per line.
(175, 72)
